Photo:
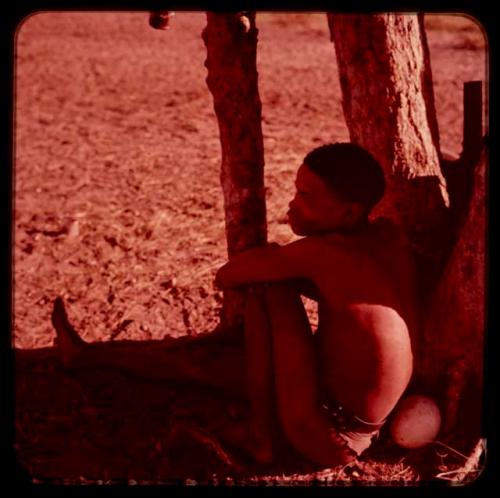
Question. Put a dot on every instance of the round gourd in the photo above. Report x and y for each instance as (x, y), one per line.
(416, 422)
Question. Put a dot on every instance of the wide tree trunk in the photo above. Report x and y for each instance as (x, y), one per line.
(231, 41)
(452, 346)
(388, 105)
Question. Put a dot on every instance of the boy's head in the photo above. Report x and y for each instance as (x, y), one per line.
(336, 187)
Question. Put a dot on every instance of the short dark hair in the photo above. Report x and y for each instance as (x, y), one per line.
(350, 171)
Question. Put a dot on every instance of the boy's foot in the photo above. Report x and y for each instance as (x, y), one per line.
(262, 451)
(242, 437)
(69, 343)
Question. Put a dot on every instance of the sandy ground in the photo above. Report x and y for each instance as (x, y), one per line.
(118, 206)
(117, 200)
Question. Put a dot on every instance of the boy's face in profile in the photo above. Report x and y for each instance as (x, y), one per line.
(315, 207)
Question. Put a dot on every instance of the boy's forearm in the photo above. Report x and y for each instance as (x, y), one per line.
(258, 265)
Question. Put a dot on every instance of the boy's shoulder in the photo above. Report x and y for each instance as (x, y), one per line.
(381, 234)
(380, 230)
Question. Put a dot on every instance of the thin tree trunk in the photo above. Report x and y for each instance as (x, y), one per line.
(388, 105)
(231, 41)
(459, 173)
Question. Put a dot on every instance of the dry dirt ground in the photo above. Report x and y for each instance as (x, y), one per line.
(118, 209)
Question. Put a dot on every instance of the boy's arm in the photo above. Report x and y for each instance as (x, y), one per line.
(270, 263)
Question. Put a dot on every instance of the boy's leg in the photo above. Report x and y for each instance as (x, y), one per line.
(297, 381)
(259, 374)
(293, 348)
(219, 365)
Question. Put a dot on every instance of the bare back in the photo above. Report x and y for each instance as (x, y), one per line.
(365, 315)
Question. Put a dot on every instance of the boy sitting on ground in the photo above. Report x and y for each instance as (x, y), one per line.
(332, 389)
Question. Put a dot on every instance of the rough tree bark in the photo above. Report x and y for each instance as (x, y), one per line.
(452, 344)
(231, 41)
(388, 104)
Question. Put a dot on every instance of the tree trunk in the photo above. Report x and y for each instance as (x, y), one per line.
(452, 345)
(231, 41)
(388, 104)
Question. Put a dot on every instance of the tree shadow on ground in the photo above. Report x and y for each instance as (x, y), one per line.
(103, 426)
